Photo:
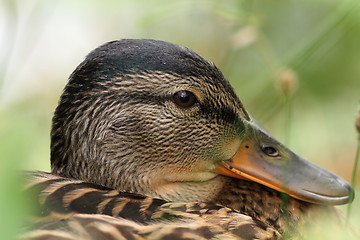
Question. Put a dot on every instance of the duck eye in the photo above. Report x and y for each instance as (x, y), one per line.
(270, 151)
(184, 99)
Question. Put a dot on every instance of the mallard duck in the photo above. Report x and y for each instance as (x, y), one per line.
(150, 141)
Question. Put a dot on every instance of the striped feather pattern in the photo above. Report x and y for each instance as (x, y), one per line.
(73, 209)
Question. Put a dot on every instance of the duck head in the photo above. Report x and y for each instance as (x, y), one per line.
(154, 118)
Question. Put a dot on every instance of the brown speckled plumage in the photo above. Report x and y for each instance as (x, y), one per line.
(72, 206)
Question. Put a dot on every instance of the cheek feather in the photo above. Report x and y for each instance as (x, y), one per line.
(229, 148)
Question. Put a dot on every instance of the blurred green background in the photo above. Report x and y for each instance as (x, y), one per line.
(255, 43)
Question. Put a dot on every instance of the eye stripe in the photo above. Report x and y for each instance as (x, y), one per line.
(208, 111)
(225, 114)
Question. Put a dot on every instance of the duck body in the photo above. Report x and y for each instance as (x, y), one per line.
(149, 141)
(80, 210)
(70, 208)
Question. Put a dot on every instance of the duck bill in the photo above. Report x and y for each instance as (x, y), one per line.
(264, 160)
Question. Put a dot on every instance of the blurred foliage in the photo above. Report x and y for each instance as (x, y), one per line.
(254, 43)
